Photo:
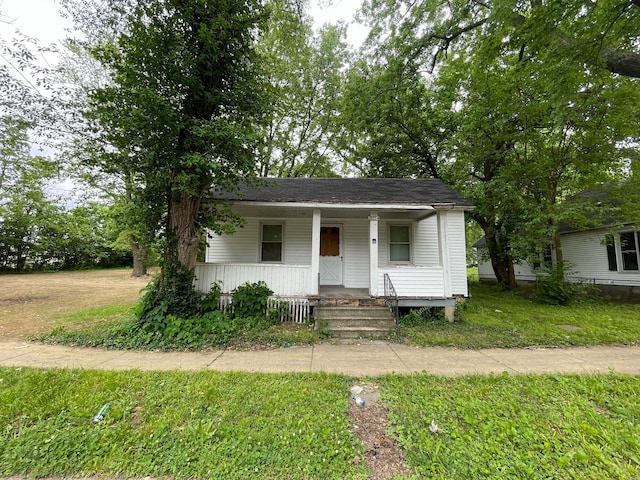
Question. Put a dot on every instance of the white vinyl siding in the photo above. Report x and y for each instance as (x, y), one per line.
(241, 247)
(356, 253)
(298, 242)
(425, 250)
(457, 252)
(414, 281)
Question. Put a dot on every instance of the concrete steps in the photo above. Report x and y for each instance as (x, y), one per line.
(355, 321)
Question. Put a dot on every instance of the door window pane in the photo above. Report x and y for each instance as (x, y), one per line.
(330, 242)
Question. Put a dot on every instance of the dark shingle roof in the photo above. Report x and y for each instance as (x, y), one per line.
(349, 190)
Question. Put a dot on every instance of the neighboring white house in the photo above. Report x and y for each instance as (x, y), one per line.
(605, 257)
(304, 237)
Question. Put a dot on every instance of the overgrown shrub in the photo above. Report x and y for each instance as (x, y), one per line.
(169, 294)
(250, 300)
(421, 316)
(211, 300)
(554, 289)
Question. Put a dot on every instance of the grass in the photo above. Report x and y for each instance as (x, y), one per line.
(496, 319)
(175, 424)
(534, 427)
(241, 425)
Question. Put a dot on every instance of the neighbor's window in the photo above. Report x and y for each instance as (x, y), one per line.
(629, 250)
(542, 260)
(271, 244)
(399, 243)
(611, 253)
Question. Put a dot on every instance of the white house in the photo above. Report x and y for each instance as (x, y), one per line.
(606, 257)
(310, 237)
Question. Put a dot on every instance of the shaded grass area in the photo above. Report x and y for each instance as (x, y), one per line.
(124, 335)
(493, 319)
(175, 424)
(552, 426)
(243, 425)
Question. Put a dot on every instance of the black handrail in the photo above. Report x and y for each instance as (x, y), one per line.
(391, 297)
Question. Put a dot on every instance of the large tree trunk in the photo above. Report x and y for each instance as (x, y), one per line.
(183, 227)
(501, 260)
(139, 258)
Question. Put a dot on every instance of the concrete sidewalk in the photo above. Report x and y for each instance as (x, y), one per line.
(365, 358)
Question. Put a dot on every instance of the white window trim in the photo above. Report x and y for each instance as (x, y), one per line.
(261, 231)
(411, 242)
(620, 259)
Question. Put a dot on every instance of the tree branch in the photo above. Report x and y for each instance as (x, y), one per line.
(623, 63)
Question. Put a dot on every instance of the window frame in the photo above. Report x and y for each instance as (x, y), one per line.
(622, 264)
(262, 241)
(543, 260)
(410, 243)
(610, 244)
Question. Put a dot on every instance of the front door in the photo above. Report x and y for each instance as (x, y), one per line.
(330, 255)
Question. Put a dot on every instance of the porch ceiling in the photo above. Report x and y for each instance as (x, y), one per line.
(280, 211)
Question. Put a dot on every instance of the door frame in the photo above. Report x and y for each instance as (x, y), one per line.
(340, 272)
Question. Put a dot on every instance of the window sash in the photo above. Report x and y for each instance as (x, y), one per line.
(399, 243)
(271, 243)
(629, 251)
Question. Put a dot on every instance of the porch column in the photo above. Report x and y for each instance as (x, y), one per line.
(373, 253)
(443, 251)
(315, 252)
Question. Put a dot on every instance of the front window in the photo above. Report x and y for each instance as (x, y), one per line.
(271, 244)
(629, 250)
(399, 243)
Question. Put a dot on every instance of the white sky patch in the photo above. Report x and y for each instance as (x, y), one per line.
(37, 18)
(41, 18)
(333, 11)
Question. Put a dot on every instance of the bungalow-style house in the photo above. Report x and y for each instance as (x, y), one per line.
(314, 238)
(609, 258)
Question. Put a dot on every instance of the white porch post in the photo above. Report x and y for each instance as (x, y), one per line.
(315, 252)
(443, 251)
(373, 253)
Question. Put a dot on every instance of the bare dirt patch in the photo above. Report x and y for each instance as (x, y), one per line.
(39, 302)
(383, 456)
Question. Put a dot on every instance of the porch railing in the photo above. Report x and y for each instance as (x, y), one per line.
(391, 297)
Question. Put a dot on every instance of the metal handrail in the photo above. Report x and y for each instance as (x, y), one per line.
(391, 297)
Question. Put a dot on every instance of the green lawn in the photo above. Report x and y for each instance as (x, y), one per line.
(240, 425)
(494, 318)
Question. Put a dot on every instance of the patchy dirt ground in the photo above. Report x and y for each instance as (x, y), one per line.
(383, 456)
(39, 302)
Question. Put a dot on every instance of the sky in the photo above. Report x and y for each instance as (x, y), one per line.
(40, 18)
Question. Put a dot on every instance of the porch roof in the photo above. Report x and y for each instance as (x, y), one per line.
(359, 192)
